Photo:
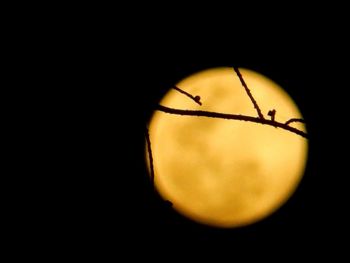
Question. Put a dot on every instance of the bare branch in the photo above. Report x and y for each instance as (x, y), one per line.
(261, 116)
(200, 113)
(195, 98)
(272, 114)
(294, 120)
(150, 155)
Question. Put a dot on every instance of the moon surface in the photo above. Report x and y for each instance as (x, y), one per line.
(226, 173)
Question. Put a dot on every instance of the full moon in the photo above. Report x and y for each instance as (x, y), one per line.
(226, 173)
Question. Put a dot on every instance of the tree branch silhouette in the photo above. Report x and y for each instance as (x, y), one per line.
(294, 120)
(150, 156)
(261, 116)
(200, 113)
(195, 98)
(211, 114)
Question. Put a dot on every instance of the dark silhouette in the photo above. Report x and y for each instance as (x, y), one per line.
(196, 98)
(209, 114)
(150, 156)
(294, 120)
(261, 116)
(272, 114)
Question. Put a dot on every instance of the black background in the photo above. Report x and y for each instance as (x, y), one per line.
(100, 81)
(128, 210)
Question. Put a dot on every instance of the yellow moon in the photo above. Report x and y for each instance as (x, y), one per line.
(226, 173)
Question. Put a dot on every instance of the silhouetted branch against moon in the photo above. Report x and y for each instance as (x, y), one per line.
(226, 116)
(170, 181)
(209, 114)
(150, 156)
(195, 98)
(294, 120)
(149, 147)
(261, 116)
(272, 114)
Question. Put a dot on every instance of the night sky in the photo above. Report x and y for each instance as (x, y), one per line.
(135, 213)
(106, 202)
(85, 81)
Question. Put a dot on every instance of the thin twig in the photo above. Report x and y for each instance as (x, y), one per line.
(272, 114)
(261, 116)
(294, 120)
(195, 98)
(150, 156)
(210, 114)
